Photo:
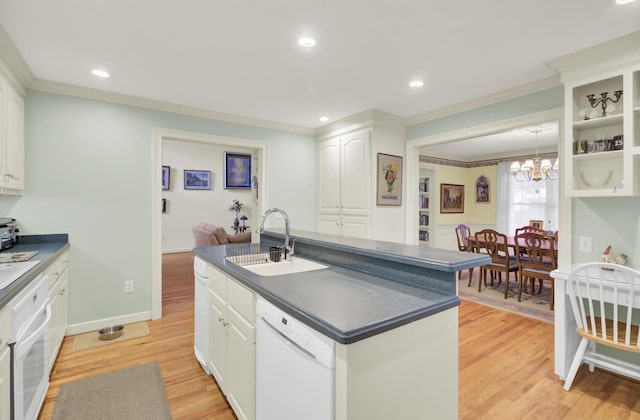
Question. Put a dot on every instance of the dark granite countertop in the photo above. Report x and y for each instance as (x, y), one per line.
(49, 247)
(349, 304)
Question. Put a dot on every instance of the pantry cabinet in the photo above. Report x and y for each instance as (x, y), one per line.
(58, 275)
(11, 140)
(602, 124)
(344, 184)
(232, 342)
(5, 365)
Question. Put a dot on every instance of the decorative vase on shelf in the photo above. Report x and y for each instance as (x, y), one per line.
(236, 222)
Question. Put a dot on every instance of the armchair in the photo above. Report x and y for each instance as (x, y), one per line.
(206, 234)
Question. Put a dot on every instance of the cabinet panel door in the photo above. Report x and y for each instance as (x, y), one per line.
(329, 223)
(356, 227)
(241, 365)
(5, 389)
(217, 339)
(15, 141)
(329, 176)
(356, 174)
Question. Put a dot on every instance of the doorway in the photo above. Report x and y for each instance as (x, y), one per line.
(159, 135)
(416, 146)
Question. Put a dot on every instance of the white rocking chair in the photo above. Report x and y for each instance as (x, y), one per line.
(603, 297)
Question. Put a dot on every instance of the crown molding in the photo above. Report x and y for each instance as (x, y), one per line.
(492, 98)
(369, 118)
(12, 65)
(607, 54)
(101, 95)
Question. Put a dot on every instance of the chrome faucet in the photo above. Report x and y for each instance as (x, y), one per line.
(287, 248)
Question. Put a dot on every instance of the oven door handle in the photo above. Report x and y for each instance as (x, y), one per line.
(23, 346)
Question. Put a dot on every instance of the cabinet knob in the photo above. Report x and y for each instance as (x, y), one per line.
(61, 292)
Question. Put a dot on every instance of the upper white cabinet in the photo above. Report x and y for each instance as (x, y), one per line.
(344, 202)
(347, 159)
(11, 140)
(602, 123)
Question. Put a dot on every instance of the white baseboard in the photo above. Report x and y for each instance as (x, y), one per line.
(73, 329)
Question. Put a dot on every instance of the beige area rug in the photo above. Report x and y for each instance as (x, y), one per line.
(91, 340)
(135, 393)
(535, 306)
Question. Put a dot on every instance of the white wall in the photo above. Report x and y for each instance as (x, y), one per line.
(89, 174)
(186, 208)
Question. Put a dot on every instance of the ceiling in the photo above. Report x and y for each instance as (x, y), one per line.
(241, 57)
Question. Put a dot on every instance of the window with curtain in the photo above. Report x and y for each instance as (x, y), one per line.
(519, 202)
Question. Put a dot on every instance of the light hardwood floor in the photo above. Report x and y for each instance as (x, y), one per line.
(505, 365)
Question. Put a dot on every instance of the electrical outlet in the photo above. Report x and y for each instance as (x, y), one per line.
(584, 243)
(128, 286)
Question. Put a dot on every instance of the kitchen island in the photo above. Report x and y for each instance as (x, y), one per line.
(391, 309)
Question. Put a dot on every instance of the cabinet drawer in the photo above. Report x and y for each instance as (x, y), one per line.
(217, 282)
(242, 300)
(56, 268)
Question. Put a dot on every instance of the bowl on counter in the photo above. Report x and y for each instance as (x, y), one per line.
(109, 333)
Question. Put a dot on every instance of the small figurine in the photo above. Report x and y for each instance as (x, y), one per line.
(621, 259)
(605, 257)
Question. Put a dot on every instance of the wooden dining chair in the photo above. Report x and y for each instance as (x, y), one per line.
(604, 300)
(494, 243)
(463, 232)
(536, 258)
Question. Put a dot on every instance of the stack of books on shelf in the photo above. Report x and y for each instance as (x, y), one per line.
(423, 235)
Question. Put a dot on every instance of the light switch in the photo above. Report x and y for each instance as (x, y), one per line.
(584, 244)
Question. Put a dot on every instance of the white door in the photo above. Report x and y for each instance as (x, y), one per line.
(15, 140)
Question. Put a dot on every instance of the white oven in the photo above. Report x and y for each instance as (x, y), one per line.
(31, 314)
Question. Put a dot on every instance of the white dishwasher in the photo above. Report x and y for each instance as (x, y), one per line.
(201, 313)
(295, 368)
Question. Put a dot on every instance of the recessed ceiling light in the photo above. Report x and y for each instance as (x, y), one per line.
(324, 119)
(416, 83)
(624, 1)
(307, 42)
(100, 73)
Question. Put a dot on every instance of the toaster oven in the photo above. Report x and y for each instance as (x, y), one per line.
(8, 232)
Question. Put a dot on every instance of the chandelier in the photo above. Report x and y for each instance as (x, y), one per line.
(536, 169)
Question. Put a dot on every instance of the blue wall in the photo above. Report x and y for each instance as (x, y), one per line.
(88, 166)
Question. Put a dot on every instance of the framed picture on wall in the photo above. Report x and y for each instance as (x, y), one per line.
(237, 170)
(166, 177)
(389, 180)
(482, 190)
(451, 198)
(197, 180)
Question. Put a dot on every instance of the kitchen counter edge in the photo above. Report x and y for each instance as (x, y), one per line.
(49, 248)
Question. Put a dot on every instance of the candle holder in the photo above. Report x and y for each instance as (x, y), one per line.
(603, 99)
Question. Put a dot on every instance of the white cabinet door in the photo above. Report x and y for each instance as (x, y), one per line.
(344, 183)
(329, 223)
(355, 182)
(15, 141)
(232, 342)
(242, 365)
(329, 176)
(356, 226)
(11, 140)
(5, 365)
(218, 339)
(5, 384)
